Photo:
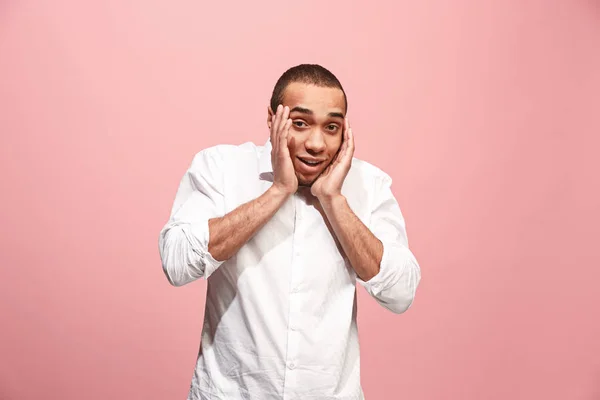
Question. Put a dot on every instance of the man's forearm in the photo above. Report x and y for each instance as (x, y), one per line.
(362, 248)
(229, 233)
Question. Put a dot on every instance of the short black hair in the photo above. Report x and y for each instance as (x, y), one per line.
(313, 74)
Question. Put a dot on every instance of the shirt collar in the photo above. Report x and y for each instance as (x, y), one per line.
(264, 163)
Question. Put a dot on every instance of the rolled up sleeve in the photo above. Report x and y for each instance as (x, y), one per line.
(394, 287)
(183, 241)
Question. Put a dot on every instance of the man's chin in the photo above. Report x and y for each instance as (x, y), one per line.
(305, 184)
(302, 182)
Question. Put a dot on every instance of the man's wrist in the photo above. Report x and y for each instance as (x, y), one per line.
(329, 202)
(278, 194)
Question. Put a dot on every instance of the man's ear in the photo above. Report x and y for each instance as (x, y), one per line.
(270, 114)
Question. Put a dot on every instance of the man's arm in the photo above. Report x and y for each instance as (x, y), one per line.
(198, 237)
(379, 253)
(196, 242)
(230, 232)
(362, 248)
(183, 241)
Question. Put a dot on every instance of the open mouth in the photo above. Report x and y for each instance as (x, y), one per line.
(310, 163)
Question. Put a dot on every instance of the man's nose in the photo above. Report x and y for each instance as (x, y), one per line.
(315, 141)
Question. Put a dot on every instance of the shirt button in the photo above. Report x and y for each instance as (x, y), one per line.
(293, 327)
(292, 365)
(295, 290)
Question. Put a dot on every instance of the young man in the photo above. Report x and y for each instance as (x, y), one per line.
(282, 232)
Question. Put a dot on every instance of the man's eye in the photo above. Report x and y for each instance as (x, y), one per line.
(332, 127)
(299, 124)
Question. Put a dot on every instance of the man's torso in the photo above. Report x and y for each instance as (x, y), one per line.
(280, 317)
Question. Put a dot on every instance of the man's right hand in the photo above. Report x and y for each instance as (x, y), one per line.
(230, 232)
(284, 174)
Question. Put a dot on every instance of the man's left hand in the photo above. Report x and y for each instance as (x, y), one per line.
(329, 184)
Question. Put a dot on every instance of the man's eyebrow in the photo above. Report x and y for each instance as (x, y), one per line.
(301, 110)
(310, 112)
(336, 114)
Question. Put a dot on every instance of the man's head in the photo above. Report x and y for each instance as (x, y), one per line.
(318, 106)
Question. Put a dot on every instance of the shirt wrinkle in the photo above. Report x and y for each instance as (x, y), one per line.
(280, 316)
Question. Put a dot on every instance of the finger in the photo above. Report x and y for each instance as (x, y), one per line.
(340, 154)
(346, 129)
(343, 150)
(284, 117)
(351, 141)
(349, 136)
(273, 130)
(275, 125)
(283, 132)
(283, 139)
(349, 150)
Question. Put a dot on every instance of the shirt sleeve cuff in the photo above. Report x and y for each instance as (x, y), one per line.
(384, 278)
(201, 234)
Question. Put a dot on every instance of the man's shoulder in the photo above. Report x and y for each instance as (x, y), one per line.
(369, 171)
(226, 153)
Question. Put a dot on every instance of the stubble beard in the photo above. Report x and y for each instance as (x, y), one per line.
(309, 184)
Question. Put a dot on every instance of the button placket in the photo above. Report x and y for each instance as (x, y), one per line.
(294, 299)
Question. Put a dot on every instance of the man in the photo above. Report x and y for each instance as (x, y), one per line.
(282, 232)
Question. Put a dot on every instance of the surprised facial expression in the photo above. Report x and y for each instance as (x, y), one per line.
(317, 115)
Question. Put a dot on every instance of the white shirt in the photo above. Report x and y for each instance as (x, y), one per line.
(280, 317)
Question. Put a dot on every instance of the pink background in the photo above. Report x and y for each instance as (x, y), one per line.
(486, 114)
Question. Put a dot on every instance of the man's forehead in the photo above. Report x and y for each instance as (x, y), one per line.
(318, 99)
(324, 113)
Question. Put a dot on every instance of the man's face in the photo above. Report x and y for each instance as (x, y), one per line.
(317, 115)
